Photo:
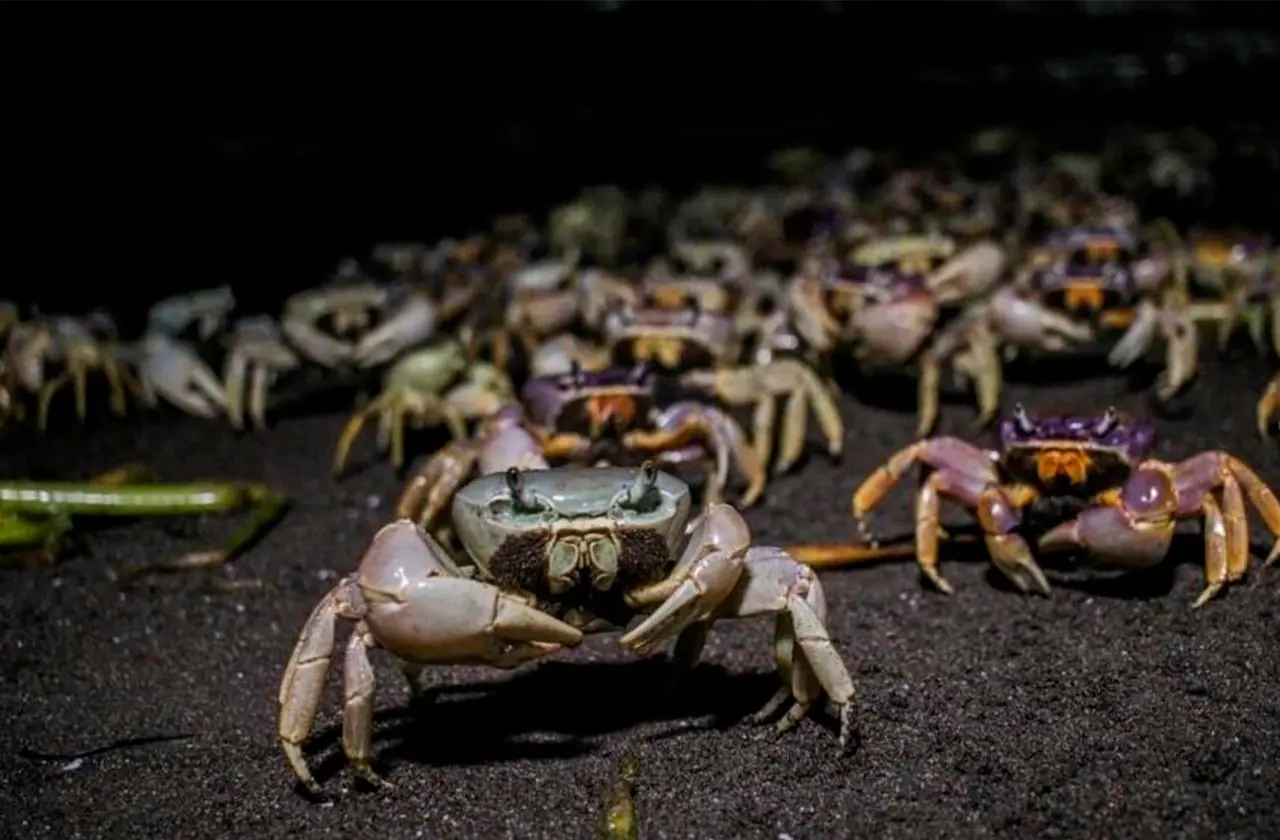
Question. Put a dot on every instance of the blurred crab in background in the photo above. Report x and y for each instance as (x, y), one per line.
(589, 418)
(433, 385)
(903, 303)
(79, 347)
(705, 351)
(551, 555)
(256, 356)
(1238, 271)
(350, 304)
(1096, 287)
(1094, 480)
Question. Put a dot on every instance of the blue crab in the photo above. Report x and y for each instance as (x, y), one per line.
(1099, 468)
(550, 556)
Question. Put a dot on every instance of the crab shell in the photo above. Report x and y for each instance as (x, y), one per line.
(673, 339)
(514, 525)
(909, 254)
(588, 402)
(1073, 451)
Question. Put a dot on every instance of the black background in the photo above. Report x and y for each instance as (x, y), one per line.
(153, 148)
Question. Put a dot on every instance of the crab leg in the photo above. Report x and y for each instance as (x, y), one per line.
(1268, 405)
(1136, 528)
(427, 614)
(762, 384)
(967, 474)
(734, 581)
(413, 323)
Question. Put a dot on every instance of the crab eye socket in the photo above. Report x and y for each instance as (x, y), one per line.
(1024, 422)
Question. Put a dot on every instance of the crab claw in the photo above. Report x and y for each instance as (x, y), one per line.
(1114, 534)
(413, 323)
(1268, 406)
(175, 372)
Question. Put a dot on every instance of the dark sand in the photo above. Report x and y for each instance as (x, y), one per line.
(1106, 711)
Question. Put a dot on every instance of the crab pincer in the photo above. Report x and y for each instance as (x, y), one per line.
(409, 598)
(1134, 527)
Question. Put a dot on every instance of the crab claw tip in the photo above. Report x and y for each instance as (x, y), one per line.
(1063, 536)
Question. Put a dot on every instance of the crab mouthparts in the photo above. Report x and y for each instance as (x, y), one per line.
(606, 408)
(1073, 465)
(1086, 296)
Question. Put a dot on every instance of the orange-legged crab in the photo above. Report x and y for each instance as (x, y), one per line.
(550, 556)
(1126, 502)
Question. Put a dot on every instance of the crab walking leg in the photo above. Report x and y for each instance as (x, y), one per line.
(430, 491)
(940, 453)
(808, 663)
(1137, 529)
(46, 397)
(1268, 405)
(259, 381)
(1182, 350)
(705, 575)
(760, 383)
(376, 407)
(407, 594)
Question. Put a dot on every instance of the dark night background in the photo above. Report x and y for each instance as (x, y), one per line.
(153, 148)
(189, 145)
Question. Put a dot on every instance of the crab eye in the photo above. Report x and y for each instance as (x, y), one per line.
(1020, 417)
(515, 483)
(649, 474)
(575, 371)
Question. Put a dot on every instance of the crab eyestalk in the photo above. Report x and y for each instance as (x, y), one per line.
(640, 488)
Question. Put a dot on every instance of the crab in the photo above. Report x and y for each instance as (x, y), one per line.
(1121, 505)
(892, 321)
(256, 355)
(550, 556)
(1239, 270)
(351, 302)
(80, 346)
(1092, 286)
(428, 386)
(593, 418)
(545, 298)
(705, 350)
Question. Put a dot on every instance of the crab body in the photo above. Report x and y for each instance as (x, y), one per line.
(549, 556)
(1093, 289)
(432, 385)
(905, 303)
(1095, 482)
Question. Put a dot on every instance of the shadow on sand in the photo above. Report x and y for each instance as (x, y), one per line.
(551, 711)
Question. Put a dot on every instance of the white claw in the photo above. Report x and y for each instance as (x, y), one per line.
(175, 372)
(412, 324)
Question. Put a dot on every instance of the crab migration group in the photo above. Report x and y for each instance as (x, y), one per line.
(586, 366)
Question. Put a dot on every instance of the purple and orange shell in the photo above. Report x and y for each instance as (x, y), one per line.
(1110, 429)
(544, 397)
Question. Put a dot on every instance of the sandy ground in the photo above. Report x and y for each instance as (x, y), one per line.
(1108, 710)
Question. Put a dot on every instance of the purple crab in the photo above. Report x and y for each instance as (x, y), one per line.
(1095, 284)
(1128, 502)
